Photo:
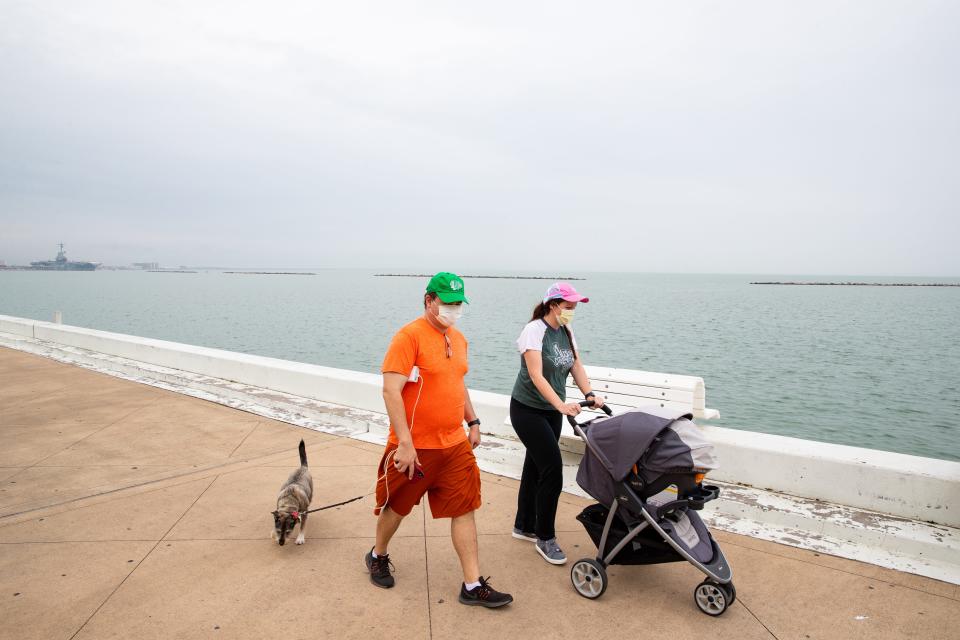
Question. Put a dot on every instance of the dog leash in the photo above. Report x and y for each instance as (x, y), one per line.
(338, 504)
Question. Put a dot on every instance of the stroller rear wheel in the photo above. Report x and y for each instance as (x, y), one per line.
(713, 598)
(589, 578)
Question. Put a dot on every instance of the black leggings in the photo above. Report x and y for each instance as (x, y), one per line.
(542, 479)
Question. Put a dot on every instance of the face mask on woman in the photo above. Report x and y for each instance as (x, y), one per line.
(448, 314)
(565, 317)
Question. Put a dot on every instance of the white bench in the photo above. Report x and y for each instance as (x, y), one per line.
(623, 390)
(626, 389)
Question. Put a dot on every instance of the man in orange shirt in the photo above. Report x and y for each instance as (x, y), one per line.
(428, 452)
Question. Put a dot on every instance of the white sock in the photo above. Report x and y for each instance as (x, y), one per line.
(373, 554)
(471, 585)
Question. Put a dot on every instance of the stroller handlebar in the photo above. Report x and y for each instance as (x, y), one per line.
(589, 403)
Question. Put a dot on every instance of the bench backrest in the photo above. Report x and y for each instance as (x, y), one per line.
(626, 389)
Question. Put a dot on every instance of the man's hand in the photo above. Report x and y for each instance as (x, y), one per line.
(404, 459)
(474, 436)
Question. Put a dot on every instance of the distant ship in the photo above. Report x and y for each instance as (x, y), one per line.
(62, 264)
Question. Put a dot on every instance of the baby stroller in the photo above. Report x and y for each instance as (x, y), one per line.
(646, 468)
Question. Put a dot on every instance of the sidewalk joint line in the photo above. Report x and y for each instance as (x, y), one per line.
(426, 566)
(96, 495)
(244, 439)
(195, 539)
(740, 600)
(89, 435)
(849, 573)
(144, 484)
(96, 466)
(77, 541)
(146, 555)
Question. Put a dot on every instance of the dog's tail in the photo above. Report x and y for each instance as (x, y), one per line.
(303, 454)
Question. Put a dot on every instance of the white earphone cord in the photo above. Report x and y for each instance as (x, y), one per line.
(386, 460)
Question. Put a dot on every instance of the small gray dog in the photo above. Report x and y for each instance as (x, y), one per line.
(293, 502)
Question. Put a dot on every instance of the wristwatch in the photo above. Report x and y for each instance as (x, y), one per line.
(474, 423)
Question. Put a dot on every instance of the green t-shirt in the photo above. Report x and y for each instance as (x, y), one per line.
(558, 356)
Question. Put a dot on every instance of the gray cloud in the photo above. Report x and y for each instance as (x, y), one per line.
(747, 137)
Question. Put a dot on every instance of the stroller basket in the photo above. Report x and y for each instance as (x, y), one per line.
(646, 548)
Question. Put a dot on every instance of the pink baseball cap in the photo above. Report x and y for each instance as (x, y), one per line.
(565, 291)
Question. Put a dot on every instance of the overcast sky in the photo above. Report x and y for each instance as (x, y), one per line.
(774, 137)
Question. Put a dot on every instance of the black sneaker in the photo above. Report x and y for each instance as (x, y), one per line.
(379, 569)
(484, 595)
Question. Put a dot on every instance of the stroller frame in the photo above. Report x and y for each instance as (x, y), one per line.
(712, 596)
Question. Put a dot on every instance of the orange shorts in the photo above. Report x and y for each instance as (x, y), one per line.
(451, 480)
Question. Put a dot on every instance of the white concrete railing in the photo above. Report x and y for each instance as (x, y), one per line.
(901, 485)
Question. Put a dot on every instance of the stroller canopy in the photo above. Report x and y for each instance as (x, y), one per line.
(621, 441)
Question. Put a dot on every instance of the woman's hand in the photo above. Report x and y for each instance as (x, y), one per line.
(404, 459)
(569, 408)
(597, 401)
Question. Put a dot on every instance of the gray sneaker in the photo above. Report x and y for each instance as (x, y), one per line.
(551, 551)
(524, 535)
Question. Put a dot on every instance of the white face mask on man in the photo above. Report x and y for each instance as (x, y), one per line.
(448, 314)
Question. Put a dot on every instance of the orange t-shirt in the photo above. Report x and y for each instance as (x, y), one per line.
(438, 421)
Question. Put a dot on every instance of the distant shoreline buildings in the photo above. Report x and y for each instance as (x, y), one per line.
(863, 284)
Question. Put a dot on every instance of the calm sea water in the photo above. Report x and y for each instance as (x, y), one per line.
(875, 367)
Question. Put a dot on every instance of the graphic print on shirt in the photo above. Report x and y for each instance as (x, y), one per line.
(561, 358)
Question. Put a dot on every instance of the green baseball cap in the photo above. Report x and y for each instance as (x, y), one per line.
(448, 287)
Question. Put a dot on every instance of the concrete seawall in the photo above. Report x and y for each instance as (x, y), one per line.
(907, 486)
(819, 488)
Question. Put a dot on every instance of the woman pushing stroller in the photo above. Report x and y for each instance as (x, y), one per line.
(538, 403)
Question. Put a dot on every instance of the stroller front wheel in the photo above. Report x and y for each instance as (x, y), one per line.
(713, 598)
(589, 578)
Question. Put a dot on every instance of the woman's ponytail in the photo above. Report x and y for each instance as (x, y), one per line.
(540, 311)
(566, 330)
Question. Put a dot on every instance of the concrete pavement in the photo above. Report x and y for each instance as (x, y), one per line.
(129, 511)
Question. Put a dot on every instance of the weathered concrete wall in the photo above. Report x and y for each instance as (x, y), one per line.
(901, 485)
(17, 326)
